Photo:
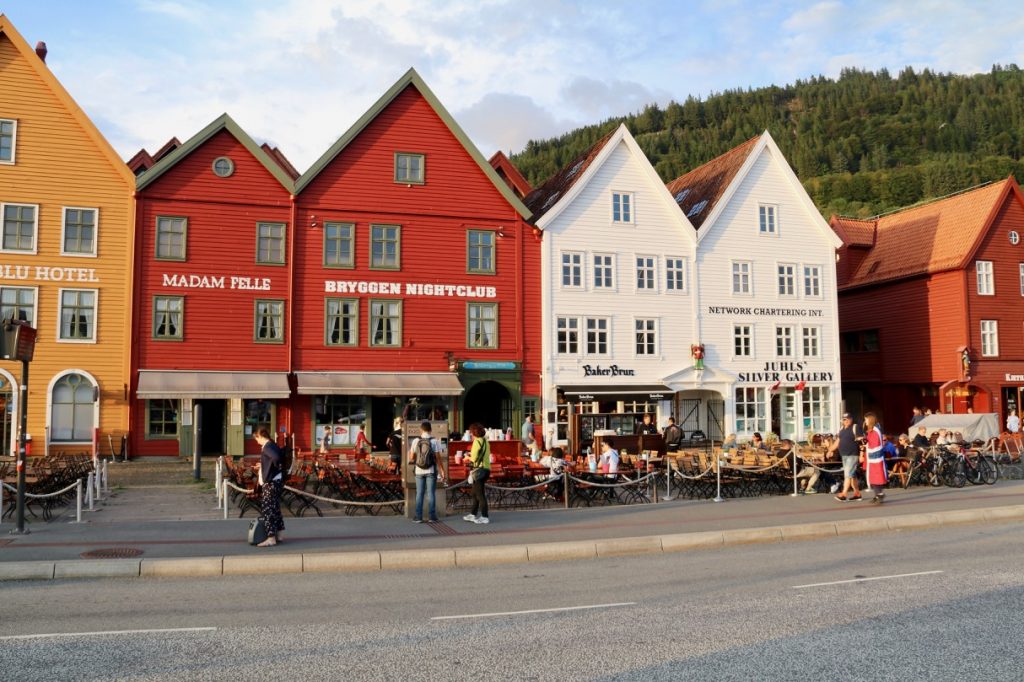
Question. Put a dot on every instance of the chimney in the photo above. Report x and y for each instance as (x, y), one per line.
(41, 50)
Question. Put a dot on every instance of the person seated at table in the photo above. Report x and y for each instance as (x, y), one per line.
(757, 442)
(889, 447)
(646, 427)
(808, 471)
(609, 462)
(729, 443)
(943, 438)
(555, 461)
(921, 439)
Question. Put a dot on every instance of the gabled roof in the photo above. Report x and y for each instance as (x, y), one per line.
(934, 237)
(282, 160)
(40, 68)
(549, 192)
(168, 147)
(222, 122)
(699, 191)
(510, 174)
(141, 162)
(411, 79)
(854, 231)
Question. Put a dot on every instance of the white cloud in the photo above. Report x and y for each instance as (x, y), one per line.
(503, 121)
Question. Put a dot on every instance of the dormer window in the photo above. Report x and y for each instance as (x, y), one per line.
(767, 220)
(622, 207)
(8, 138)
(409, 168)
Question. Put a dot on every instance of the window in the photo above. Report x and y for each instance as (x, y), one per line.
(170, 238)
(812, 281)
(603, 271)
(622, 207)
(568, 335)
(19, 227)
(18, 303)
(817, 407)
(986, 287)
(865, 341)
(409, 168)
(742, 340)
(646, 337)
(342, 322)
(161, 419)
(572, 269)
(531, 406)
(79, 232)
(766, 216)
(741, 277)
(337, 416)
(223, 167)
(480, 257)
(750, 410)
(269, 322)
(783, 342)
(77, 315)
(339, 245)
(385, 247)
(270, 243)
(989, 338)
(1021, 268)
(168, 314)
(787, 280)
(483, 325)
(675, 274)
(812, 342)
(646, 273)
(597, 336)
(386, 323)
(8, 140)
(72, 409)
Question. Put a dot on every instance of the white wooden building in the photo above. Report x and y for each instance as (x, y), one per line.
(766, 307)
(617, 286)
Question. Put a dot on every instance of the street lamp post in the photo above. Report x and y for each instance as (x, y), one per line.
(19, 343)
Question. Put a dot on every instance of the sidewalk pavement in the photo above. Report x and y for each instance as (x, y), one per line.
(181, 522)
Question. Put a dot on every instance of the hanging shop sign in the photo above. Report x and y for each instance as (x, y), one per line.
(214, 282)
(764, 312)
(488, 364)
(409, 289)
(783, 371)
(45, 273)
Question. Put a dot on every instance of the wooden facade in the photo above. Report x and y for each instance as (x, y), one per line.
(66, 259)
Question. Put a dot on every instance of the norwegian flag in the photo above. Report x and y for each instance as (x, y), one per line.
(801, 385)
(775, 387)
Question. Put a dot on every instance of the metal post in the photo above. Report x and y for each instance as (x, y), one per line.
(218, 479)
(796, 486)
(718, 477)
(99, 486)
(1, 502)
(106, 478)
(89, 486)
(668, 485)
(22, 455)
(197, 435)
(225, 500)
(78, 501)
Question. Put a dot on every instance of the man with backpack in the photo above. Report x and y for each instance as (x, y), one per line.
(426, 456)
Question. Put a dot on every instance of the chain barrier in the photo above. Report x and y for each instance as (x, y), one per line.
(628, 482)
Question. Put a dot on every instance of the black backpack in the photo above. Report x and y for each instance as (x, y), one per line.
(424, 453)
(673, 434)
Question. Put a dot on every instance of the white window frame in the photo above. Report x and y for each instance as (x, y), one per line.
(612, 266)
(791, 277)
(749, 275)
(35, 300)
(95, 315)
(759, 421)
(807, 269)
(559, 331)
(772, 211)
(817, 403)
(990, 338)
(652, 262)
(608, 337)
(652, 332)
(749, 336)
(49, 402)
(631, 210)
(682, 270)
(490, 342)
(35, 228)
(582, 265)
(985, 277)
(807, 333)
(784, 334)
(63, 230)
(14, 142)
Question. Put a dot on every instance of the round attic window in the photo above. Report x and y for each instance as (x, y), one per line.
(223, 167)
(1014, 237)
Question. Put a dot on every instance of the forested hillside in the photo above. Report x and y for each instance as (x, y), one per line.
(864, 144)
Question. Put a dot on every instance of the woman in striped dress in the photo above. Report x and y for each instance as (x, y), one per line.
(874, 466)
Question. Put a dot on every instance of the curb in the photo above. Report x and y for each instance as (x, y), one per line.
(466, 557)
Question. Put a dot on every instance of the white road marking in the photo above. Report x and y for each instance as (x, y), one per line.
(106, 632)
(521, 613)
(864, 580)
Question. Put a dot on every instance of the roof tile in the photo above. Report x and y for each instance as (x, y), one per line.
(698, 191)
(546, 195)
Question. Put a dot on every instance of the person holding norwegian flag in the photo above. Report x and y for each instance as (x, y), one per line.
(874, 468)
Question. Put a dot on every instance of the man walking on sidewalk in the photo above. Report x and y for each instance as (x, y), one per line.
(848, 443)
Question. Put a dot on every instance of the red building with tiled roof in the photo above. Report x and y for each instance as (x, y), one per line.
(507, 171)
(931, 306)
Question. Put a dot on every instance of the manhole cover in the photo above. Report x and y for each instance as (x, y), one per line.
(111, 553)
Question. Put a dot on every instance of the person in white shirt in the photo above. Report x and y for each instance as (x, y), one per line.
(1013, 422)
(609, 462)
(427, 477)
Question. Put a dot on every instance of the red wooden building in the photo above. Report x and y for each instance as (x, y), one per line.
(416, 288)
(214, 255)
(931, 306)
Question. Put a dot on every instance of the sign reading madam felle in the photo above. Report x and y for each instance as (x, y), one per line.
(782, 371)
(214, 282)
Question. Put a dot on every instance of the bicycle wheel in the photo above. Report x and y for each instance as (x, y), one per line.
(973, 471)
(989, 471)
(957, 477)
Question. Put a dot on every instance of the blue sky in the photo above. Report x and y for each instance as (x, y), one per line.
(297, 73)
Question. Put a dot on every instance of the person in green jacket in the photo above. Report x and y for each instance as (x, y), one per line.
(479, 471)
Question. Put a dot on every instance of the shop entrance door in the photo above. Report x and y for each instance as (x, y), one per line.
(382, 418)
(789, 414)
(213, 414)
(490, 404)
(689, 414)
(716, 417)
(6, 416)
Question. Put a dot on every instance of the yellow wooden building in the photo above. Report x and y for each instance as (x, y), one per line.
(65, 258)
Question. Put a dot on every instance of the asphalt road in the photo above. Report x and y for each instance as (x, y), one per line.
(751, 612)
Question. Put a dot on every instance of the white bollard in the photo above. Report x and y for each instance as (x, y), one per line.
(78, 501)
(225, 496)
(89, 487)
(98, 495)
(219, 479)
(1, 502)
(106, 477)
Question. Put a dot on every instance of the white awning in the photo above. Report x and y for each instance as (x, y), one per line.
(378, 383)
(179, 384)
